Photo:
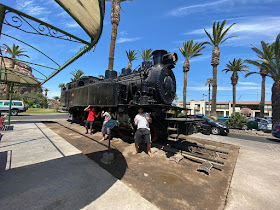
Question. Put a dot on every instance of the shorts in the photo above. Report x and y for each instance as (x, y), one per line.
(105, 130)
(142, 134)
(89, 123)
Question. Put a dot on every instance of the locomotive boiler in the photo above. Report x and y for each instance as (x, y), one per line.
(152, 86)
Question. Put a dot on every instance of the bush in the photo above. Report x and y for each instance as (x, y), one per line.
(181, 115)
(236, 121)
(56, 108)
(34, 98)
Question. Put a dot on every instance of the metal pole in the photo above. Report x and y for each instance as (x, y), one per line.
(10, 105)
(2, 16)
(109, 144)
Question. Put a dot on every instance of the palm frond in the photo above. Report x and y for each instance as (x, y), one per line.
(219, 33)
(250, 73)
(131, 55)
(191, 49)
(146, 54)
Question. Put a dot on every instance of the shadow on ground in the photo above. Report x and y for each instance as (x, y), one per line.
(66, 183)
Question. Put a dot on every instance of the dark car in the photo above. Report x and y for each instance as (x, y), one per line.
(216, 127)
(276, 133)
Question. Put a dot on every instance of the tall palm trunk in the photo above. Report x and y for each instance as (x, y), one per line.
(234, 80)
(275, 103)
(215, 62)
(186, 68)
(209, 98)
(115, 20)
(262, 96)
(233, 98)
(185, 90)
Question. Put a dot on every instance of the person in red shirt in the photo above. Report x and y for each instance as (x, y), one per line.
(91, 116)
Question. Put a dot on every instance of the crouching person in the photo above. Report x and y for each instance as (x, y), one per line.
(142, 121)
(105, 127)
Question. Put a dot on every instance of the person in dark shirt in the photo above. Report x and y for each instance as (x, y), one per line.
(91, 116)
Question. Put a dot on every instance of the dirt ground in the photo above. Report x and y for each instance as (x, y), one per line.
(165, 183)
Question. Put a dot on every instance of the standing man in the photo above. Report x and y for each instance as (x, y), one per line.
(91, 116)
(108, 116)
(142, 121)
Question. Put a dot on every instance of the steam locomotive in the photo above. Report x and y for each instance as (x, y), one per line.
(152, 86)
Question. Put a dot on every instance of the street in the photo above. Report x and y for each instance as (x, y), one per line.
(263, 139)
(40, 117)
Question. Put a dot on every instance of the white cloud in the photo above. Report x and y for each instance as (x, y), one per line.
(247, 83)
(72, 25)
(194, 8)
(200, 58)
(126, 39)
(249, 30)
(53, 93)
(226, 5)
(31, 8)
(63, 14)
(123, 33)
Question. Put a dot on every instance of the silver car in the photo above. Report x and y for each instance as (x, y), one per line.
(17, 107)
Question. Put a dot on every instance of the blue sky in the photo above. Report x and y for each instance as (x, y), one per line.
(160, 24)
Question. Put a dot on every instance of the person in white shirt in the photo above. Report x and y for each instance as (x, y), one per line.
(142, 121)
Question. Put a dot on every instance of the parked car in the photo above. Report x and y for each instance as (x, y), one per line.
(217, 127)
(223, 118)
(17, 107)
(259, 124)
(276, 133)
(268, 118)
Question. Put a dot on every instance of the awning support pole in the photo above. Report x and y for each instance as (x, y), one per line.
(10, 104)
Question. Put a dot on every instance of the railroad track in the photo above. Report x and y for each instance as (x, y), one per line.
(183, 148)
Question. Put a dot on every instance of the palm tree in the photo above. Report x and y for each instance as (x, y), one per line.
(131, 55)
(235, 67)
(115, 20)
(15, 51)
(61, 85)
(46, 91)
(209, 82)
(189, 50)
(271, 63)
(146, 55)
(77, 74)
(218, 37)
(56, 98)
(266, 50)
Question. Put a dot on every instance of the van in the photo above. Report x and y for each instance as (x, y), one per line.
(17, 107)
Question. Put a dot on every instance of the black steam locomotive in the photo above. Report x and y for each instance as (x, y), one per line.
(152, 86)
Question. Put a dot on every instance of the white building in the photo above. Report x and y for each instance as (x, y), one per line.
(225, 108)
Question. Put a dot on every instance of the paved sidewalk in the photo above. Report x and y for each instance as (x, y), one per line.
(256, 179)
(40, 170)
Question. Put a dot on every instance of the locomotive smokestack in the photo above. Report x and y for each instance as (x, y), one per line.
(157, 57)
